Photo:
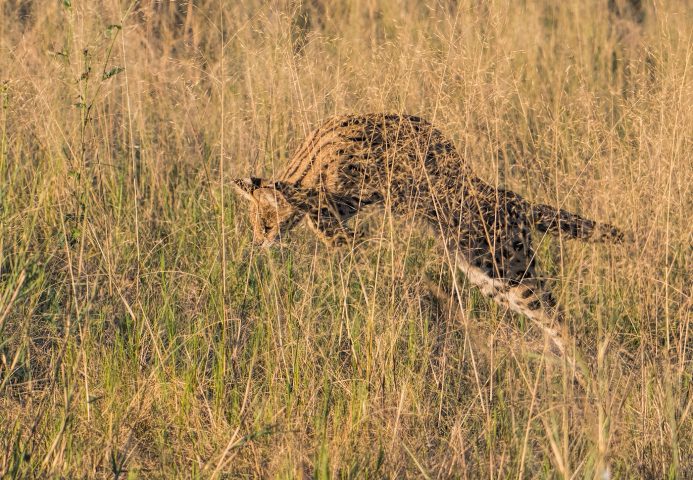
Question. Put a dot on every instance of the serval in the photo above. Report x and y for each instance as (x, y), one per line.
(354, 161)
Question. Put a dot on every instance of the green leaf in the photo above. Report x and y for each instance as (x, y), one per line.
(111, 28)
(67, 3)
(113, 71)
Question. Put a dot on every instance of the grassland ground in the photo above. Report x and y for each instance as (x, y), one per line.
(141, 335)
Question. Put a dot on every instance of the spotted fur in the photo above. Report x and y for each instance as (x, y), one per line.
(353, 161)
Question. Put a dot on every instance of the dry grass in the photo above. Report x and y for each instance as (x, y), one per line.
(141, 336)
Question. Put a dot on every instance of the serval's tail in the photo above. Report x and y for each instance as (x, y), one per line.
(572, 225)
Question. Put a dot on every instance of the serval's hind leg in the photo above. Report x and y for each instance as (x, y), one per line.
(522, 293)
(537, 303)
(532, 300)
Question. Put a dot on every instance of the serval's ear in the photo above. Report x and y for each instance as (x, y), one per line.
(246, 186)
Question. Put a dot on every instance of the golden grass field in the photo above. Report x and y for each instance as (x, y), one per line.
(141, 335)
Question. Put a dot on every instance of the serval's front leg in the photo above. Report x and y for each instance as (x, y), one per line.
(329, 216)
(329, 228)
(323, 211)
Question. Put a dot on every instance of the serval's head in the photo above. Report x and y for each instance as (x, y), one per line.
(271, 213)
